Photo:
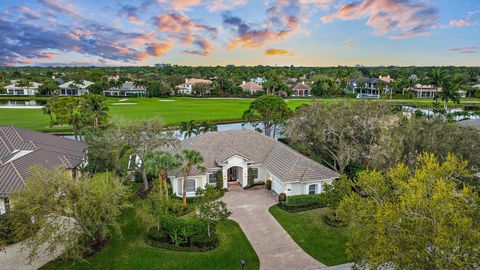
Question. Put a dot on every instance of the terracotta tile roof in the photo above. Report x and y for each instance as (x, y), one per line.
(278, 158)
(251, 86)
(21, 149)
(301, 86)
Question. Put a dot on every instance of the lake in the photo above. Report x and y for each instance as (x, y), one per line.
(22, 103)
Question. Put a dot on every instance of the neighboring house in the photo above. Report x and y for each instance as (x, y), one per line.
(301, 89)
(22, 149)
(127, 89)
(70, 89)
(424, 91)
(429, 91)
(234, 152)
(251, 87)
(187, 87)
(14, 89)
(366, 86)
(385, 79)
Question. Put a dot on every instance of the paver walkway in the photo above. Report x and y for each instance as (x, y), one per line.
(274, 246)
(13, 257)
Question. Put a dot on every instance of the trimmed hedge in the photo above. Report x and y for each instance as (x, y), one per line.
(333, 220)
(299, 203)
(254, 185)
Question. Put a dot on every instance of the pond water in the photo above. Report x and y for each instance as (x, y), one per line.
(457, 114)
(220, 127)
(21, 103)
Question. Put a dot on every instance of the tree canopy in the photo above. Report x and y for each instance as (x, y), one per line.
(414, 219)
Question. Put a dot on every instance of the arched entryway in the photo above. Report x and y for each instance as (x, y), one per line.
(235, 175)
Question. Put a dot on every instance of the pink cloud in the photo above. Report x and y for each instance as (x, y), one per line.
(62, 7)
(407, 17)
(459, 23)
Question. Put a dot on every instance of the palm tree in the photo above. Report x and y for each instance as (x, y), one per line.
(23, 83)
(188, 129)
(95, 104)
(206, 126)
(188, 160)
(409, 83)
(450, 88)
(48, 108)
(437, 78)
(160, 163)
(141, 84)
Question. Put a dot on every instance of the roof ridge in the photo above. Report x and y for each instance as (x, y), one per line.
(16, 171)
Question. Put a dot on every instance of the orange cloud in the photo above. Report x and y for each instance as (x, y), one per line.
(350, 45)
(273, 52)
(407, 17)
(159, 48)
(459, 23)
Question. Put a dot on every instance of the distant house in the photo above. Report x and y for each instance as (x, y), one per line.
(15, 89)
(429, 91)
(72, 89)
(367, 86)
(301, 89)
(187, 87)
(235, 152)
(251, 87)
(424, 91)
(385, 79)
(127, 89)
(21, 149)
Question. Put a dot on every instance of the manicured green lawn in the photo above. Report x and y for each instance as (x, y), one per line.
(131, 252)
(171, 110)
(325, 243)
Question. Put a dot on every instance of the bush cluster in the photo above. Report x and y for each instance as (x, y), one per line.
(298, 203)
(181, 234)
(333, 220)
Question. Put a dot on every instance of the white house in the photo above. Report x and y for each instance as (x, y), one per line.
(368, 86)
(187, 87)
(72, 89)
(15, 89)
(233, 152)
(127, 89)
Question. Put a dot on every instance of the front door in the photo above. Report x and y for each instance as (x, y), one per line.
(232, 174)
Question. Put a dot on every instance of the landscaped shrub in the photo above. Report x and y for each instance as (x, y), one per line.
(250, 181)
(181, 234)
(268, 184)
(299, 203)
(304, 200)
(332, 219)
(282, 198)
(219, 176)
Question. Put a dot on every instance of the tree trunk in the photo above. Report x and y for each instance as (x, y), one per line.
(96, 122)
(208, 230)
(267, 128)
(144, 178)
(445, 105)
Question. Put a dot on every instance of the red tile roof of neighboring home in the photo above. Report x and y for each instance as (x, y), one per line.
(301, 86)
(251, 86)
(21, 149)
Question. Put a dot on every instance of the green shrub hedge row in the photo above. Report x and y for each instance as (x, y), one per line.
(299, 203)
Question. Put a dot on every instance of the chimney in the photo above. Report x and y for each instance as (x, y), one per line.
(186, 80)
(243, 82)
(303, 82)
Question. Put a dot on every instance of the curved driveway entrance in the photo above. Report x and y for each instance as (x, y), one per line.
(274, 246)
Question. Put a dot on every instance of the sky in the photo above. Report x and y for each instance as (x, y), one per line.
(240, 32)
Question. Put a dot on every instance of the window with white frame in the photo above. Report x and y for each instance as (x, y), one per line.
(191, 185)
(255, 173)
(212, 178)
(312, 189)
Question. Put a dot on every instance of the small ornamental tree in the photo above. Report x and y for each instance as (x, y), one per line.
(219, 176)
(76, 215)
(250, 177)
(210, 212)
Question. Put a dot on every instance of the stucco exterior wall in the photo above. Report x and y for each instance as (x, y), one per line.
(2, 207)
(177, 184)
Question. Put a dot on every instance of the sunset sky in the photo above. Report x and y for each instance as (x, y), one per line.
(240, 32)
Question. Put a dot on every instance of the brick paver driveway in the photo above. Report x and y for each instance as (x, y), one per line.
(274, 246)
